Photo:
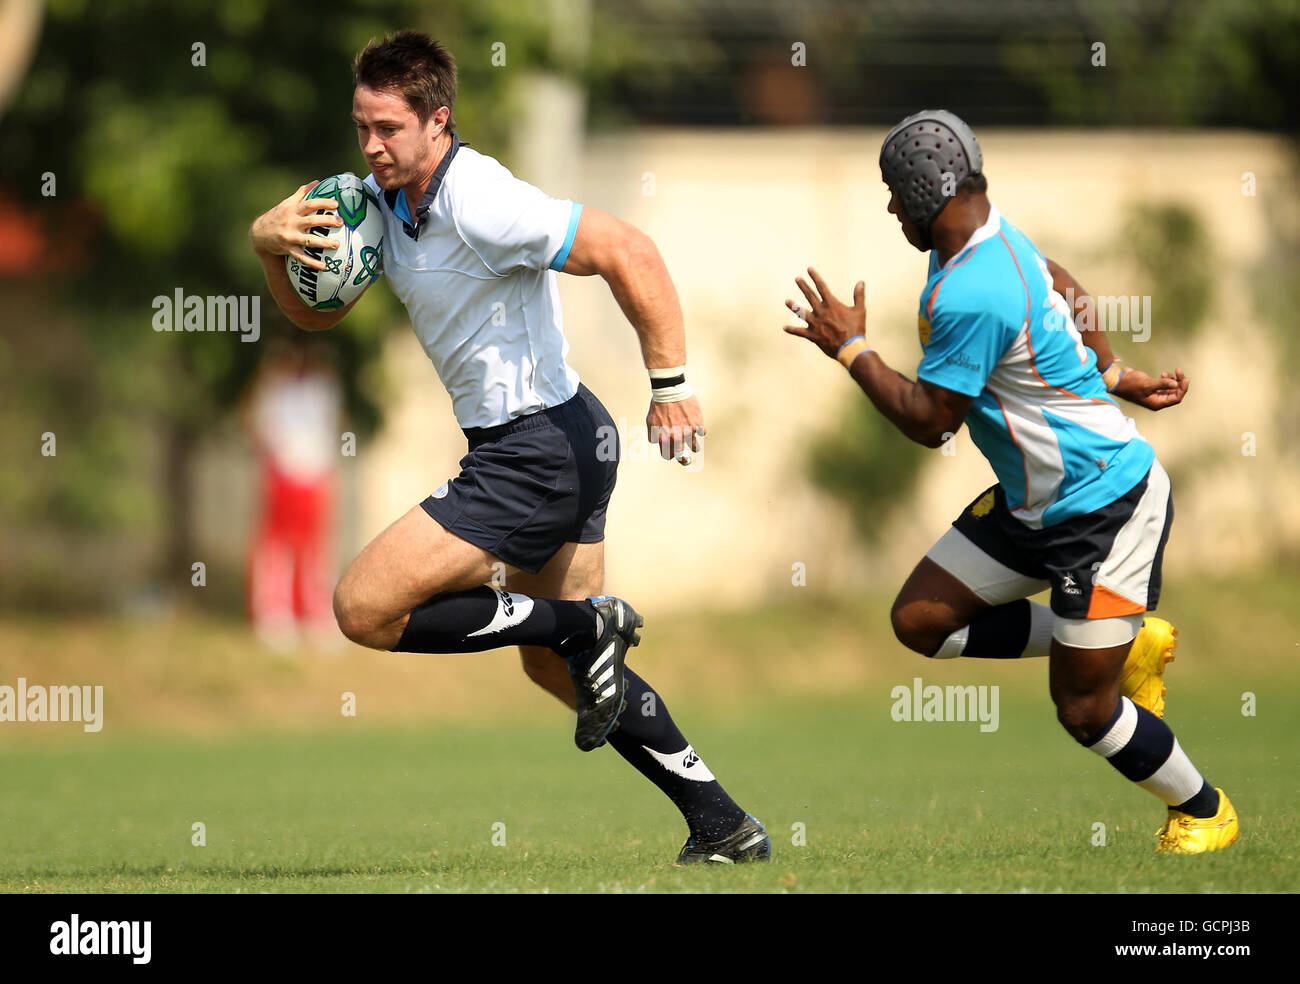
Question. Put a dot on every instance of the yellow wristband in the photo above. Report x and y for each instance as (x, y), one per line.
(851, 349)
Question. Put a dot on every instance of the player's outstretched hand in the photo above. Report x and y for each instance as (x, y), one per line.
(828, 323)
(286, 229)
(1154, 394)
(676, 428)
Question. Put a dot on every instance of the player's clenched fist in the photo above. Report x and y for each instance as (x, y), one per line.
(286, 229)
(676, 428)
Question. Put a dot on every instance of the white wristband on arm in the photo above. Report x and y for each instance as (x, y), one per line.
(669, 385)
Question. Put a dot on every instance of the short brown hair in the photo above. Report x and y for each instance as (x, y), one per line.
(414, 65)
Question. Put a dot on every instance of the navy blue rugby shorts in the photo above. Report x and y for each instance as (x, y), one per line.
(533, 484)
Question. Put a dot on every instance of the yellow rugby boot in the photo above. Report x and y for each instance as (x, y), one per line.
(1142, 681)
(1184, 834)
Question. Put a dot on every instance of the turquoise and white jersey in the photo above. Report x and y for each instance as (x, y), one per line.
(992, 327)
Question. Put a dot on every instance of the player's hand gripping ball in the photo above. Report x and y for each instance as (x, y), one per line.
(358, 259)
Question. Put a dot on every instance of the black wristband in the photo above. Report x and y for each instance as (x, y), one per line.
(670, 381)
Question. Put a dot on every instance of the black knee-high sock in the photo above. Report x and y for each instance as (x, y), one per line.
(647, 737)
(486, 618)
(1008, 631)
(1001, 632)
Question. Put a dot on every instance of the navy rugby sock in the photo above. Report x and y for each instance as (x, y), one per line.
(1011, 631)
(647, 737)
(487, 618)
(1143, 749)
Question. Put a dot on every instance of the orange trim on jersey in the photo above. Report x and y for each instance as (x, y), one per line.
(1106, 603)
(929, 307)
(1029, 340)
(1023, 282)
(1029, 334)
(1024, 462)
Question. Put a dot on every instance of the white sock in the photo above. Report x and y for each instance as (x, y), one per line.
(1041, 622)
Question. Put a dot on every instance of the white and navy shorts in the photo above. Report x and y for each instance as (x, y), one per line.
(529, 486)
(1103, 565)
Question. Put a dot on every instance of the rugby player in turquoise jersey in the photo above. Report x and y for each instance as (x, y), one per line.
(1082, 506)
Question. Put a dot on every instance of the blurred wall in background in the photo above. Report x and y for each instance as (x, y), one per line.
(737, 215)
(742, 135)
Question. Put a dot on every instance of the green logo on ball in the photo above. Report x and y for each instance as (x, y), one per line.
(352, 207)
(329, 188)
(370, 266)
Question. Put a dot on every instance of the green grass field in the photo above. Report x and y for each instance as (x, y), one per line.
(338, 805)
(886, 807)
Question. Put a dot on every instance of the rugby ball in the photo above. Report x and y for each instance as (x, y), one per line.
(359, 258)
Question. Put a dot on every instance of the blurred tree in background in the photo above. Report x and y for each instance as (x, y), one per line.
(866, 463)
(162, 163)
(1167, 62)
(163, 152)
(1168, 245)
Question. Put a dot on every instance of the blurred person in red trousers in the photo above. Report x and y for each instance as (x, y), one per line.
(293, 415)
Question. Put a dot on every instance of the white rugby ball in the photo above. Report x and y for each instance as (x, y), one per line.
(359, 258)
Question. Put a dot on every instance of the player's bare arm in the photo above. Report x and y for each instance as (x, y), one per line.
(1133, 385)
(286, 230)
(925, 413)
(627, 259)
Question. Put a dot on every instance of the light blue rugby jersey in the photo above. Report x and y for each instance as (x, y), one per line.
(992, 327)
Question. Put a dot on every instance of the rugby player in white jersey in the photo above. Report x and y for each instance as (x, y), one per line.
(472, 252)
(1082, 505)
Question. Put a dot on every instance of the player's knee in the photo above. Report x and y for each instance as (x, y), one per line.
(352, 618)
(1083, 715)
(912, 629)
(350, 622)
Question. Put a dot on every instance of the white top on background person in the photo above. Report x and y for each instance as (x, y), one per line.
(295, 422)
